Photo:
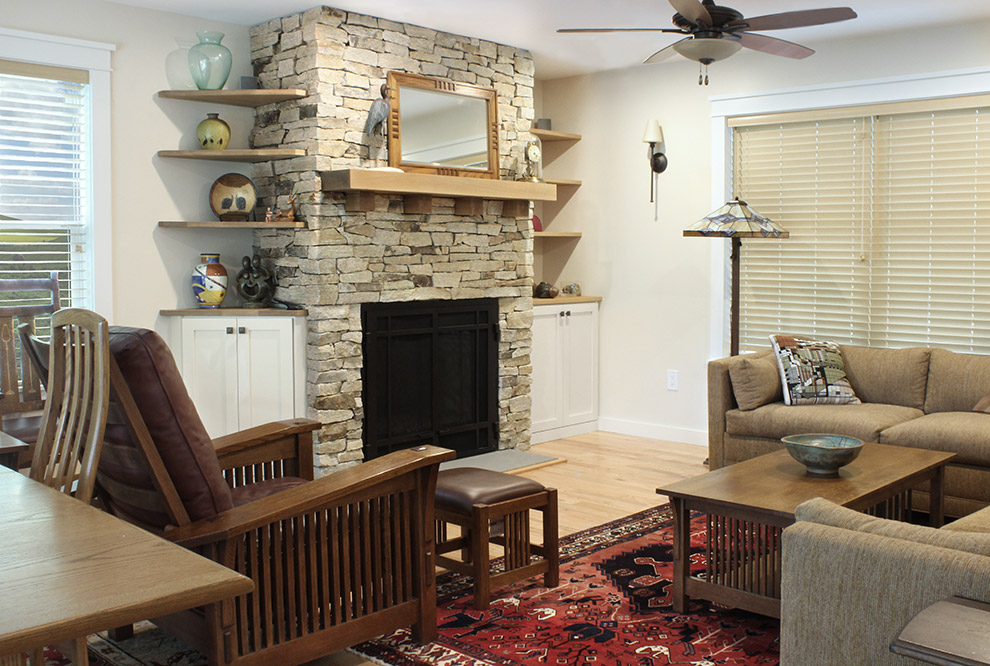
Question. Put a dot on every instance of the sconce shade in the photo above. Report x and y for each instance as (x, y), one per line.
(736, 219)
(653, 133)
(707, 50)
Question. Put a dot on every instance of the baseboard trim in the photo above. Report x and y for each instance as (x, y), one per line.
(566, 431)
(654, 431)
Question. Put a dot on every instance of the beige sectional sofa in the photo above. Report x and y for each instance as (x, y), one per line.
(918, 397)
(851, 582)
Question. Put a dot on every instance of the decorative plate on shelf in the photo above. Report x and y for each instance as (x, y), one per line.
(233, 197)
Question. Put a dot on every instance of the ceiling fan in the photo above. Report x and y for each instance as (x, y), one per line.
(715, 32)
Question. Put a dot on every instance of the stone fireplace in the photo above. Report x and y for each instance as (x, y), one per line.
(345, 259)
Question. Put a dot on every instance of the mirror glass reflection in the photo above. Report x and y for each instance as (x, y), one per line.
(443, 129)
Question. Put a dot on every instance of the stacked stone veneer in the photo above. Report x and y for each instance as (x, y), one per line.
(344, 259)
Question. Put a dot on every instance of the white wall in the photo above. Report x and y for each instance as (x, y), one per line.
(151, 266)
(656, 284)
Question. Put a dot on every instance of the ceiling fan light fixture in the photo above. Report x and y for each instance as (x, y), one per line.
(707, 50)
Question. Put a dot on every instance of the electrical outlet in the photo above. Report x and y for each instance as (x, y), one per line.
(672, 380)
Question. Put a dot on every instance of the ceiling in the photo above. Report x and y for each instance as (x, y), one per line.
(531, 24)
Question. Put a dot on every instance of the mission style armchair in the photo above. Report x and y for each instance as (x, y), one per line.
(335, 561)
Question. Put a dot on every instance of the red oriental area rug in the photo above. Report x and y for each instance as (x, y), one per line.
(611, 609)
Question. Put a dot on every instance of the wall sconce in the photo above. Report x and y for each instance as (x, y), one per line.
(658, 160)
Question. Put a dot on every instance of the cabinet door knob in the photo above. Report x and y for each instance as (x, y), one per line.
(562, 313)
(568, 313)
(240, 329)
(230, 330)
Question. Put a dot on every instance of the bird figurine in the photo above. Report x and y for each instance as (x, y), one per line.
(378, 112)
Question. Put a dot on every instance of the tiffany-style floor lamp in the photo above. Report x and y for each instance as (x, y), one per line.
(735, 220)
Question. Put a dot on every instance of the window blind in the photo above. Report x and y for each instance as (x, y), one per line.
(886, 247)
(45, 188)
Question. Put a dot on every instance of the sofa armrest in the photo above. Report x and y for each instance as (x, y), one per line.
(720, 401)
(846, 595)
(273, 450)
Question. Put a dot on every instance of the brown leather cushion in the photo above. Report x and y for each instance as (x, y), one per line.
(461, 488)
(186, 449)
(255, 491)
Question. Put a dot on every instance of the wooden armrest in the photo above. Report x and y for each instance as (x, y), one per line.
(308, 496)
(246, 439)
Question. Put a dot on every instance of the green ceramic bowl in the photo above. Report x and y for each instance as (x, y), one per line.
(823, 454)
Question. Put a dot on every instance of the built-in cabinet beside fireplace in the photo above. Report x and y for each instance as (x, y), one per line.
(565, 368)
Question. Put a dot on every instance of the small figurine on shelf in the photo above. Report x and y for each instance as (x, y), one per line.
(255, 283)
(268, 214)
(287, 215)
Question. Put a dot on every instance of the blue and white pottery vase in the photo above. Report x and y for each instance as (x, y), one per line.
(209, 61)
(209, 281)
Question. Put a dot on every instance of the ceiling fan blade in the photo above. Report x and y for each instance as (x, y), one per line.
(568, 30)
(663, 53)
(799, 19)
(692, 10)
(773, 46)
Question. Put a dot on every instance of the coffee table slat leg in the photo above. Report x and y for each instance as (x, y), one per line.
(682, 538)
(936, 508)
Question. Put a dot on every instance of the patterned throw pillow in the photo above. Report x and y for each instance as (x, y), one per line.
(812, 372)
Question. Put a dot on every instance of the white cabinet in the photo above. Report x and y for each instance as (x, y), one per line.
(565, 370)
(242, 371)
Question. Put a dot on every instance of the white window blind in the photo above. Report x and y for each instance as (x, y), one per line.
(45, 180)
(884, 213)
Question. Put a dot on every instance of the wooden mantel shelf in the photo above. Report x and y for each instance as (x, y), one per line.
(418, 189)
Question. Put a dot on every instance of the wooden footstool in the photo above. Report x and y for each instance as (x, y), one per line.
(492, 507)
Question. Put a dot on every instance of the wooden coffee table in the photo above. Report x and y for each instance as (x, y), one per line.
(749, 503)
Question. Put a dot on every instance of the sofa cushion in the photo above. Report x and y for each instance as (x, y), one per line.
(964, 433)
(888, 376)
(978, 521)
(755, 380)
(956, 382)
(824, 512)
(812, 372)
(864, 421)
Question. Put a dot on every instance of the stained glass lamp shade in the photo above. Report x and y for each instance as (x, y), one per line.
(735, 220)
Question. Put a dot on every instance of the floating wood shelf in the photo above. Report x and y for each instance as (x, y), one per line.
(553, 135)
(557, 234)
(233, 312)
(566, 300)
(418, 190)
(564, 182)
(236, 155)
(251, 98)
(221, 224)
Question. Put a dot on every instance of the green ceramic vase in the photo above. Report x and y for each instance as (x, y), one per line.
(209, 61)
(213, 133)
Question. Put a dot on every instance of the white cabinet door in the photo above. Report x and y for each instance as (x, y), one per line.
(565, 367)
(208, 363)
(547, 368)
(239, 371)
(579, 348)
(264, 370)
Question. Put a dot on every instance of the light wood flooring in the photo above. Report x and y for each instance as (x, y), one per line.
(606, 476)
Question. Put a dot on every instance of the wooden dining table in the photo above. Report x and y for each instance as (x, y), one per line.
(68, 570)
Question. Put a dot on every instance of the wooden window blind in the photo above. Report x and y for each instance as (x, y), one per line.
(889, 243)
(45, 180)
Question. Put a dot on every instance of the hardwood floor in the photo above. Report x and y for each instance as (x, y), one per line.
(606, 476)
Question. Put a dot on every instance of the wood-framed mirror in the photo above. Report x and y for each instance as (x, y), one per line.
(442, 127)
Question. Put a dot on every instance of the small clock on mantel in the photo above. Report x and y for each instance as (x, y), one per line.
(532, 161)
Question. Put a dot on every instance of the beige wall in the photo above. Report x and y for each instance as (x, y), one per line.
(656, 284)
(151, 266)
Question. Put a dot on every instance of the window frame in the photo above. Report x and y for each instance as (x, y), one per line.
(93, 57)
(929, 86)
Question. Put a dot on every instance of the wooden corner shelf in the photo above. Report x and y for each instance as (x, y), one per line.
(222, 224)
(236, 155)
(564, 182)
(250, 98)
(556, 234)
(232, 312)
(553, 135)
